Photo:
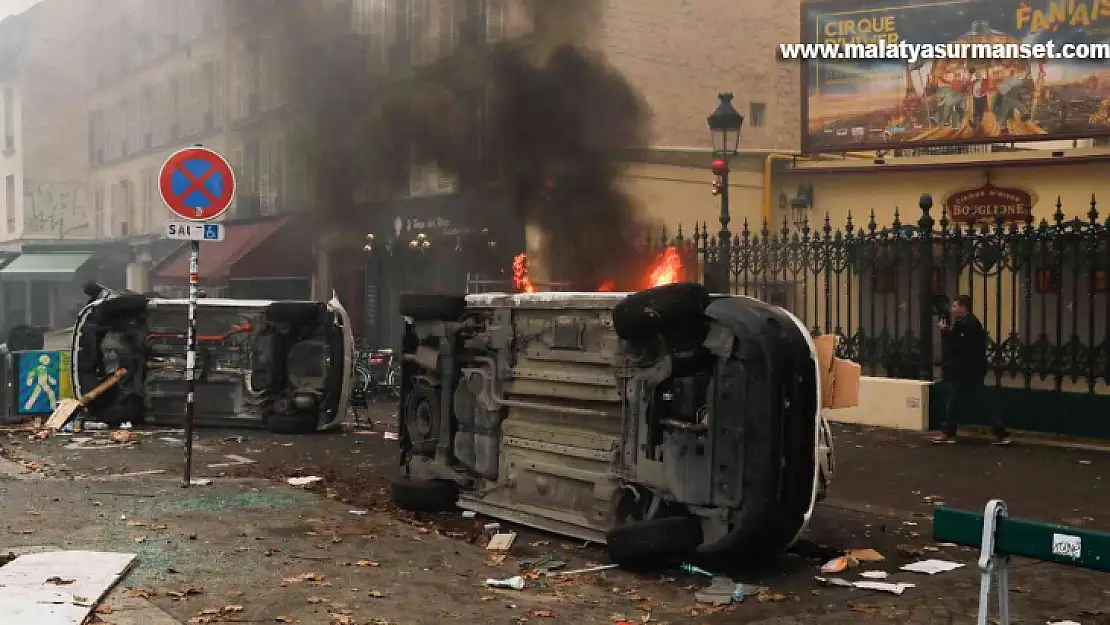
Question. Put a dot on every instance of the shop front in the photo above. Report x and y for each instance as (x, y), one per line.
(439, 244)
(42, 285)
(259, 259)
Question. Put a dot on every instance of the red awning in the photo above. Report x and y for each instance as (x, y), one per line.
(217, 259)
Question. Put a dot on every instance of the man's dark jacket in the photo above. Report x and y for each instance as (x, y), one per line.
(965, 351)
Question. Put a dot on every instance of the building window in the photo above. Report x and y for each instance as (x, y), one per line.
(98, 211)
(146, 120)
(131, 115)
(9, 202)
(9, 119)
(123, 203)
(756, 114)
(96, 137)
(175, 108)
(144, 219)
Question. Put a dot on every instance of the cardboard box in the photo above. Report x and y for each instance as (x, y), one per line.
(839, 377)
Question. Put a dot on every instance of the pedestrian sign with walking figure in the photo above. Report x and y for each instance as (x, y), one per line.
(43, 381)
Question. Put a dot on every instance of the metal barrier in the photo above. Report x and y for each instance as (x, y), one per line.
(1000, 537)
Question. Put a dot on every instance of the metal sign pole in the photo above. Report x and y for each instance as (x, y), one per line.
(191, 361)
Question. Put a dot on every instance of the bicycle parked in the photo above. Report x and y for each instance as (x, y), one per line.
(376, 375)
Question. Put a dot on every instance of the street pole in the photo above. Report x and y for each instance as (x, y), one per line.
(724, 237)
(191, 361)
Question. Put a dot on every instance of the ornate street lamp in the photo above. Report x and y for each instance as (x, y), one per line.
(724, 128)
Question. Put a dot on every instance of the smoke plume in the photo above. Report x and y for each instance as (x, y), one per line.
(544, 148)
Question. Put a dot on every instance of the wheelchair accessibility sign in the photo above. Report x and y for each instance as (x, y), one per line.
(43, 380)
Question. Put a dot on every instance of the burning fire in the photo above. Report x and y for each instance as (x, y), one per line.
(521, 281)
(665, 269)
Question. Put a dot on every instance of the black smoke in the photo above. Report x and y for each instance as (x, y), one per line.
(539, 129)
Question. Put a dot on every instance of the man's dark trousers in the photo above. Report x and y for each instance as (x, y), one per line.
(967, 399)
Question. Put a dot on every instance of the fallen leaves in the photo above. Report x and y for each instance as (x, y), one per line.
(215, 615)
(314, 579)
(57, 581)
(184, 593)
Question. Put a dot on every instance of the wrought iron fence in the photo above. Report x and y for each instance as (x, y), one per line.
(1040, 289)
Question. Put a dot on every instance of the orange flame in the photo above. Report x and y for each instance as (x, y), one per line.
(521, 281)
(608, 285)
(666, 269)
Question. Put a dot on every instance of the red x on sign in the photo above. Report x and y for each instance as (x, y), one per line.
(197, 184)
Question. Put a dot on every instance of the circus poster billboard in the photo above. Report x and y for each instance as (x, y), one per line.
(894, 101)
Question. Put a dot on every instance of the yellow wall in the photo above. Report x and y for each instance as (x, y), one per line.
(671, 196)
(860, 192)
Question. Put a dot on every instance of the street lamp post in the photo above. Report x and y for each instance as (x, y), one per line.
(724, 127)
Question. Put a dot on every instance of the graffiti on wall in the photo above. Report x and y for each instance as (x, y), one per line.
(56, 210)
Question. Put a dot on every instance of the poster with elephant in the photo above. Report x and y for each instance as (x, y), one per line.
(42, 379)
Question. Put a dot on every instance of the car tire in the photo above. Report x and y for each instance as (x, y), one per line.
(424, 495)
(432, 306)
(286, 424)
(414, 420)
(646, 313)
(653, 541)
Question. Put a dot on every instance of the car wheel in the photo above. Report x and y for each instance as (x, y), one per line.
(646, 313)
(291, 424)
(423, 495)
(654, 541)
(432, 306)
(422, 418)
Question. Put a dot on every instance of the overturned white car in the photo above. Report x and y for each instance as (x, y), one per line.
(663, 422)
(284, 365)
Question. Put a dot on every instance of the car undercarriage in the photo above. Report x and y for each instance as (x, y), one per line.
(661, 422)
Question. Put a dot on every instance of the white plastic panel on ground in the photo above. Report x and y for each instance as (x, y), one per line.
(80, 579)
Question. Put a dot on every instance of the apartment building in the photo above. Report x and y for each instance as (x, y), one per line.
(175, 73)
(45, 216)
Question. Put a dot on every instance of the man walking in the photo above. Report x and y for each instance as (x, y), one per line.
(964, 349)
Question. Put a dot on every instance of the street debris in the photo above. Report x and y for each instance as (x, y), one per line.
(304, 481)
(589, 569)
(874, 574)
(200, 482)
(59, 587)
(469, 514)
(184, 593)
(359, 512)
(122, 437)
(896, 588)
(390, 436)
(215, 615)
(836, 565)
(932, 567)
(690, 569)
(514, 583)
(724, 591)
(501, 542)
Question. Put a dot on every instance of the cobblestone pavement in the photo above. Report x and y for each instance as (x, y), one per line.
(886, 485)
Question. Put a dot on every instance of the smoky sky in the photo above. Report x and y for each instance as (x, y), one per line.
(537, 140)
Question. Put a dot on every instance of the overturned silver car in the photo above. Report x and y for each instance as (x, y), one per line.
(284, 365)
(662, 423)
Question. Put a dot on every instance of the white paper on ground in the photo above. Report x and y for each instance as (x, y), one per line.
(891, 587)
(932, 567)
(874, 574)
